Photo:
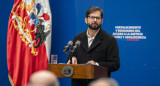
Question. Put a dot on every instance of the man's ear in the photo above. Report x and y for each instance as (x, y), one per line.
(85, 20)
(102, 20)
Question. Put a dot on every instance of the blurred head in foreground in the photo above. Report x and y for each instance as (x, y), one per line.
(43, 78)
(104, 82)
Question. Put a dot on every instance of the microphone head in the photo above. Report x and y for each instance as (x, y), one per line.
(78, 43)
(70, 43)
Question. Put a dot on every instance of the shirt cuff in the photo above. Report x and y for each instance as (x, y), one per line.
(97, 64)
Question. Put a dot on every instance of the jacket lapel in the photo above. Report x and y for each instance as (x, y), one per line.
(84, 41)
(96, 41)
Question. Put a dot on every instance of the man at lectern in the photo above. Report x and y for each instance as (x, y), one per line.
(97, 46)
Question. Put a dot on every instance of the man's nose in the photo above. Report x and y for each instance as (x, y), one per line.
(95, 19)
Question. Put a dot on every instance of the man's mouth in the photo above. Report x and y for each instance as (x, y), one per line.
(94, 24)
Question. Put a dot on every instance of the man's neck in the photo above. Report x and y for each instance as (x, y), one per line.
(92, 32)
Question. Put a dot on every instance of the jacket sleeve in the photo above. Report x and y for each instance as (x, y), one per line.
(113, 62)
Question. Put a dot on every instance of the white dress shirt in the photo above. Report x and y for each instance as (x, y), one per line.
(90, 40)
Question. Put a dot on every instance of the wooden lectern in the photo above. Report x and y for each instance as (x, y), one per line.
(79, 71)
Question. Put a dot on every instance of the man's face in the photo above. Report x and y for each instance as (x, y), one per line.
(94, 20)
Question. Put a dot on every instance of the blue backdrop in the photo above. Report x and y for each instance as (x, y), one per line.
(140, 60)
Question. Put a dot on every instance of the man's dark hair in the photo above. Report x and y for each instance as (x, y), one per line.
(94, 9)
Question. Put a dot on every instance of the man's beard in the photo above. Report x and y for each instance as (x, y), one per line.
(94, 27)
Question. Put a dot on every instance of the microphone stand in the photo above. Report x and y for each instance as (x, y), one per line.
(71, 50)
(69, 55)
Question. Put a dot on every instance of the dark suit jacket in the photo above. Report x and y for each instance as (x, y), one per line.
(103, 50)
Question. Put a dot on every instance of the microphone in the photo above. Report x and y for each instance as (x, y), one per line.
(66, 48)
(77, 44)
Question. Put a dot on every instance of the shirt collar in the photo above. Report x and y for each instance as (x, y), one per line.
(93, 36)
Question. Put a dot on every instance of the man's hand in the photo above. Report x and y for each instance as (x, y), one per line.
(74, 60)
(92, 62)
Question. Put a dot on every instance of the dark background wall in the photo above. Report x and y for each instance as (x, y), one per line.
(140, 60)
